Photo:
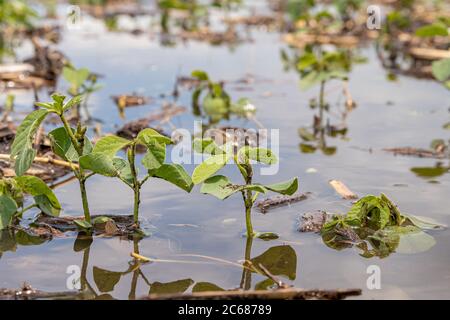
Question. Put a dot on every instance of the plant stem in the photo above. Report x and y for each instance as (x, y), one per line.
(136, 184)
(80, 172)
(248, 215)
(321, 101)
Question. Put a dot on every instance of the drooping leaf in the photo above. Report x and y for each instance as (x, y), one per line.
(83, 225)
(43, 195)
(63, 147)
(99, 163)
(175, 174)
(155, 156)
(8, 208)
(209, 167)
(110, 145)
(22, 148)
(262, 155)
(285, 188)
(222, 188)
(207, 146)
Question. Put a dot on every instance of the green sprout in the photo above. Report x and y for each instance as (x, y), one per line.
(221, 187)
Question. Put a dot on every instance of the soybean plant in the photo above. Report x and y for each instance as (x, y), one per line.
(103, 160)
(68, 143)
(221, 187)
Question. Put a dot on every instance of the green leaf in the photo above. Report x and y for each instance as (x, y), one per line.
(63, 147)
(222, 188)
(209, 167)
(8, 208)
(215, 106)
(43, 195)
(441, 69)
(75, 77)
(146, 135)
(175, 174)
(22, 148)
(262, 155)
(424, 223)
(200, 75)
(432, 30)
(285, 188)
(306, 61)
(110, 145)
(58, 102)
(155, 156)
(99, 163)
(207, 146)
(73, 102)
(100, 220)
(123, 169)
(106, 280)
(83, 225)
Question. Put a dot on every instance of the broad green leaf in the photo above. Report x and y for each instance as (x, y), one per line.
(22, 148)
(100, 220)
(75, 77)
(10, 187)
(222, 188)
(415, 242)
(369, 211)
(306, 61)
(124, 170)
(63, 147)
(441, 69)
(262, 155)
(207, 146)
(173, 287)
(99, 163)
(175, 174)
(24, 238)
(200, 75)
(106, 280)
(146, 135)
(43, 195)
(155, 156)
(110, 145)
(285, 188)
(8, 208)
(209, 167)
(215, 106)
(309, 80)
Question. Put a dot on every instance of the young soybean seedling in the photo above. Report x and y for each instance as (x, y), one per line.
(12, 192)
(103, 160)
(221, 187)
(68, 143)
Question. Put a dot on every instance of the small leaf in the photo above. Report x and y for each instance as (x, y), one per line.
(173, 287)
(175, 174)
(222, 188)
(262, 155)
(285, 188)
(73, 102)
(83, 225)
(22, 148)
(99, 163)
(8, 208)
(146, 135)
(205, 287)
(200, 75)
(100, 220)
(155, 156)
(441, 69)
(207, 146)
(124, 170)
(106, 280)
(110, 145)
(209, 167)
(63, 147)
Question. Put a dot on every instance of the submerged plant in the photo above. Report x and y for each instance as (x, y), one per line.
(12, 191)
(103, 160)
(68, 143)
(221, 187)
(376, 221)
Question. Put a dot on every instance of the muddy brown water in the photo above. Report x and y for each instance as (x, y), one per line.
(408, 112)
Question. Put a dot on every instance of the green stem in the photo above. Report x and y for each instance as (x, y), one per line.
(80, 172)
(136, 184)
(248, 217)
(321, 101)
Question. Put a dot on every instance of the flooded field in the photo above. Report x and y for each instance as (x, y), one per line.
(197, 242)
